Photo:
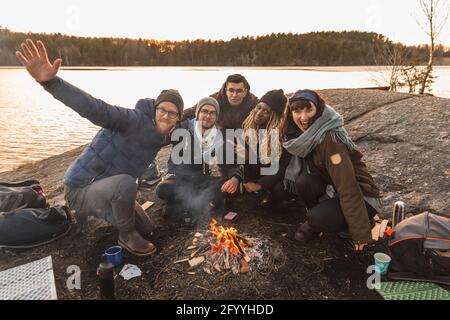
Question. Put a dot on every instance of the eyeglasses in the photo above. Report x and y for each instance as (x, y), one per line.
(171, 114)
(237, 91)
(206, 113)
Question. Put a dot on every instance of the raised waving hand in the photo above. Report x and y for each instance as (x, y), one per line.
(35, 59)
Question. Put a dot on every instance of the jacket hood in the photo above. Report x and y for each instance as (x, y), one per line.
(147, 106)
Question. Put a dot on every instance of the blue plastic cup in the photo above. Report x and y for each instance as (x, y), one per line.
(114, 255)
(382, 262)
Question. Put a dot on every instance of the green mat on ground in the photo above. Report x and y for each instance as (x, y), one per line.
(409, 290)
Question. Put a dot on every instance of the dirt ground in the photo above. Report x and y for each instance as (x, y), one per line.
(326, 268)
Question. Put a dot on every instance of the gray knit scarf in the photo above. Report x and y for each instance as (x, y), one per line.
(303, 145)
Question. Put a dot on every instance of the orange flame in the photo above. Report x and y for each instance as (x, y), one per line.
(225, 238)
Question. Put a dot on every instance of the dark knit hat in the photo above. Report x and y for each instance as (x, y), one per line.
(311, 96)
(207, 101)
(171, 95)
(276, 100)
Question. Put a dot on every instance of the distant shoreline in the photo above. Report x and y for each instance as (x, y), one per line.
(210, 68)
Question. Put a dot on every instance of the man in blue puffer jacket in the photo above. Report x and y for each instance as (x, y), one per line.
(102, 181)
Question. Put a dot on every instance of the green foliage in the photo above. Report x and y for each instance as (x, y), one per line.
(412, 76)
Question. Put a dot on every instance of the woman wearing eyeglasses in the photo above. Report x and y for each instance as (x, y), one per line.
(326, 171)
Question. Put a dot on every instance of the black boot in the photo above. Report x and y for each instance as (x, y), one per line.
(305, 233)
(266, 202)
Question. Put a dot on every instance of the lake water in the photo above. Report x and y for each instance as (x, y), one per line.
(34, 126)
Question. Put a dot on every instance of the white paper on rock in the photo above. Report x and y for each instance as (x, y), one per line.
(130, 271)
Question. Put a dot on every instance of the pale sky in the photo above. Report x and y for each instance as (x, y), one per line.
(212, 19)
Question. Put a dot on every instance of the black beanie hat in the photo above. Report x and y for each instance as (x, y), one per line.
(276, 100)
(171, 95)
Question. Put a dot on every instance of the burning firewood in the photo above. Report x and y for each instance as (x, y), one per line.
(226, 258)
(242, 251)
(245, 267)
(204, 247)
(236, 264)
(248, 242)
(227, 248)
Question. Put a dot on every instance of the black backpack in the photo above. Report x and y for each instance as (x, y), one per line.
(420, 249)
(25, 194)
(32, 227)
(26, 221)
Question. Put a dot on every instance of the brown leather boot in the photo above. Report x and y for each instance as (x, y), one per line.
(143, 223)
(134, 243)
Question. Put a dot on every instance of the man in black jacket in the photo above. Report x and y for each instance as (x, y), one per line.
(199, 149)
(235, 101)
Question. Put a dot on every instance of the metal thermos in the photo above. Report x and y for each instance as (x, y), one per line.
(105, 273)
(398, 213)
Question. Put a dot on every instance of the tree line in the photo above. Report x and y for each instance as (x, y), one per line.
(347, 48)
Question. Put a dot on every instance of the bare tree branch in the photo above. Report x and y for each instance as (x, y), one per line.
(436, 13)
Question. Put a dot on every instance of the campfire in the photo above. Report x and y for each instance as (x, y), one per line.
(222, 248)
(228, 249)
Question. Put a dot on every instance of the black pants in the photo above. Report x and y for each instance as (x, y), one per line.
(193, 194)
(310, 188)
(325, 216)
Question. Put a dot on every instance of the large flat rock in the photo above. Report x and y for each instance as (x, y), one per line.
(351, 103)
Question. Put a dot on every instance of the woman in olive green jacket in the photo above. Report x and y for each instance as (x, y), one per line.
(326, 171)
